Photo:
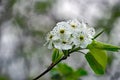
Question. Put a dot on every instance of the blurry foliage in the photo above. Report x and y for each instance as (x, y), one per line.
(7, 10)
(3, 77)
(110, 58)
(11, 3)
(20, 20)
(43, 6)
(64, 72)
(108, 24)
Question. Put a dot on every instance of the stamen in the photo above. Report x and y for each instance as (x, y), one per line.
(62, 31)
(81, 38)
(73, 25)
(64, 42)
(51, 36)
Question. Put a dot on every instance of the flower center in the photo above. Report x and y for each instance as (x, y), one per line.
(81, 38)
(64, 42)
(73, 25)
(51, 36)
(62, 31)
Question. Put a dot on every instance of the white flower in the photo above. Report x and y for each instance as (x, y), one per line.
(63, 44)
(74, 25)
(49, 39)
(62, 30)
(82, 39)
(91, 32)
(84, 25)
(66, 34)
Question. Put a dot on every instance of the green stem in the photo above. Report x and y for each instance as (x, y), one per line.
(98, 34)
(81, 52)
(76, 49)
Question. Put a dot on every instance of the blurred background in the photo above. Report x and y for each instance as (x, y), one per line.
(25, 23)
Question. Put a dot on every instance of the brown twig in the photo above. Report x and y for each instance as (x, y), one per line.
(54, 64)
(49, 68)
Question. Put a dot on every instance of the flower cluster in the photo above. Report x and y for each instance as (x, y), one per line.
(65, 35)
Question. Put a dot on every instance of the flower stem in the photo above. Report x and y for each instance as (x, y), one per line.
(50, 67)
(54, 64)
(81, 52)
(98, 34)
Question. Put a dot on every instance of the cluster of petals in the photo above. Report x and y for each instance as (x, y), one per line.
(67, 34)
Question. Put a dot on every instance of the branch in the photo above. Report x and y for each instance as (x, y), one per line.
(81, 52)
(54, 64)
(50, 67)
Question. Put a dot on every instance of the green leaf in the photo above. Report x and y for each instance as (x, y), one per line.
(94, 64)
(81, 72)
(103, 46)
(65, 52)
(100, 56)
(65, 69)
(57, 54)
(55, 74)
(65, 72)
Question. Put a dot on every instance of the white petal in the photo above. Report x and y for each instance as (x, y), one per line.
(55, 37)
(85, 43)
(61, 23)
(66, 47)
(50, 45)
(74, 21)
(46, 43)
(76, 42)
(91, 31)
(57, 45)
(84, 25)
